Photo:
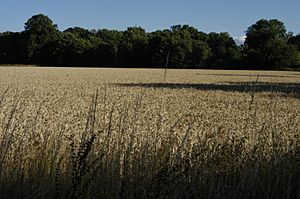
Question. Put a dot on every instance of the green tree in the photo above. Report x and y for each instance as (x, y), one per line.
(266, 45)
(264, 31)
(224, 51)
(160, 43)
(133, 47)
(66, 50)
(199, 55)
(11, 51)
(104, 54)
(181, 45)
(185, 45)
(295, 41)
(80, 32)
(39, 30)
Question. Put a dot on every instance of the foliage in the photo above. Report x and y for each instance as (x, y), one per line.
(39, 30)
(225, 53)
(267, 46)
(11, 48)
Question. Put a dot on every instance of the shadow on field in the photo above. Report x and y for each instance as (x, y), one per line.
(250, 75)
(289, 89)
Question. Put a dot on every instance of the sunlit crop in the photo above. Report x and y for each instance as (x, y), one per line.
(125, 133)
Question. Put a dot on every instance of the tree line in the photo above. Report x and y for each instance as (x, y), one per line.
(268, 45)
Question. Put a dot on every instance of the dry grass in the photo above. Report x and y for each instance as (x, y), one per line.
(123, 133)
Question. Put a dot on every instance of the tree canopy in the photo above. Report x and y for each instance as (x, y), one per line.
(268, 45)
(39, 30)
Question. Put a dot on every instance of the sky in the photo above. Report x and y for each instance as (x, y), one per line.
(232, 16)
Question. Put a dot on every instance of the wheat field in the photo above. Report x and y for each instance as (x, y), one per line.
(125, 133)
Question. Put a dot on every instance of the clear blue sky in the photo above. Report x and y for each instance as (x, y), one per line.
(233, 16)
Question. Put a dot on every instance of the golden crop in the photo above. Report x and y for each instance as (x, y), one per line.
(124, 133)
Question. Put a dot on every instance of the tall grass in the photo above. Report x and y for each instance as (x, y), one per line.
(117, 161)
(144, 147)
